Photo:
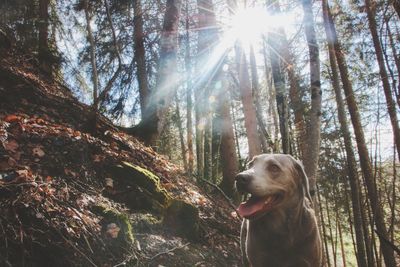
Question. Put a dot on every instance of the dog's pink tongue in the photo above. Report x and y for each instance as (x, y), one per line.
(252, 206)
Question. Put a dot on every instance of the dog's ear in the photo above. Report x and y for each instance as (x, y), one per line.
(303, 178)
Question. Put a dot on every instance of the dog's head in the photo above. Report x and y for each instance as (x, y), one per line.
(273, 181)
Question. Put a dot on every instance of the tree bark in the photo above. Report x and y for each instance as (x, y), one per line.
(313, 130)
(181, 133)
(95, 79)
(362, 147)
(294, 92)
(189, 102)
(215, 146)
(167, 76)
(250, 118)
(396, 61)
(140, 56)
(265, 137)
(229, 159)
(104, 94)
(324, 234)
(275, 44)
(44, 50)
(391, 106)
(207, 36)
(396, 6)
(351, 160)
(272, 112)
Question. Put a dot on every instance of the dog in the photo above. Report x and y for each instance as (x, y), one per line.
(279, 228)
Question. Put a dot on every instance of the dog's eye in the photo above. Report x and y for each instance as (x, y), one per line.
(273, 168)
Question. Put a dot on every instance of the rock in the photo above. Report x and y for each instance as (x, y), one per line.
(145, 190)
(116, 225)
(183, 219)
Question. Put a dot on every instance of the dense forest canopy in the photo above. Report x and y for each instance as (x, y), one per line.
(210, 84)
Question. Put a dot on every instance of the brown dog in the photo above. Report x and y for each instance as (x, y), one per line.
(279, 229)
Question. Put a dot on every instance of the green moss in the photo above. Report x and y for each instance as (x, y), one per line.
(111, 215)
(153, 195)
(183, 218)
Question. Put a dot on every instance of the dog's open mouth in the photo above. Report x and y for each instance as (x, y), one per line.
(258, 205)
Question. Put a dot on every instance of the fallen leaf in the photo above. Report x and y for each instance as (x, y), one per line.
(12, 118)
(109, 182)
(69, 172)
(37, 151)
(6, 163)
(112, 230)
(97, 158)
(76, 134)
(40, 121)
(11, 145)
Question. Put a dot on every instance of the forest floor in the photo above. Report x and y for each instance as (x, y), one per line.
(63, 203)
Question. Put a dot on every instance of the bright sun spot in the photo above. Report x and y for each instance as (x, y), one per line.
(250, 24)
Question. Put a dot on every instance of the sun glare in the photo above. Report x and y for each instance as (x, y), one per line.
(249, 24)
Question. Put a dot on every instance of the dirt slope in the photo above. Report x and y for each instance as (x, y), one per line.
(68, 198)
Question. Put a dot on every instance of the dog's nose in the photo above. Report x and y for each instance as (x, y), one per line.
(243, 178)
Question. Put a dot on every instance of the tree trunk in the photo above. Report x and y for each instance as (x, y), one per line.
(181, 133)
(324, 235)
(294, 93)
(189, 103)
(140, 56)
(250, 118)
(207, 35)
(95, 79)
(235, 131)
(208, 139)
(44, 49)
(339, 227)
(330, 227)
(265, 137)
(275, 44)
(396, 6)
(391, 106)
(362, 148)
(314, 128)
(271, 99)
(396, 61)
(167, 76)
(295, 100)
(229, 159)
(215, 146)
(351, 160)
(104, 94)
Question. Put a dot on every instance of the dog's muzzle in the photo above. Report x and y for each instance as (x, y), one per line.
(242, 182)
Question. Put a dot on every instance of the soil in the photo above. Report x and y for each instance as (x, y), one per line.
(55, 174)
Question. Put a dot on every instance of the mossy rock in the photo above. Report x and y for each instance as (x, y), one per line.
(147, 192)
(125, 236)
(183, 219)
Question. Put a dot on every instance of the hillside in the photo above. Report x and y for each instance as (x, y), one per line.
(68, 198)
